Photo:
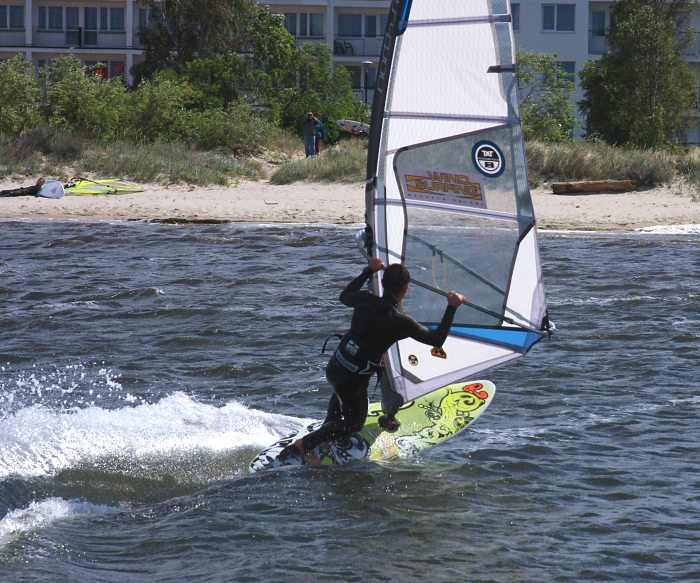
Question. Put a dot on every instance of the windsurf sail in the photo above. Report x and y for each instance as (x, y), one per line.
(447, 191)
(84, 186)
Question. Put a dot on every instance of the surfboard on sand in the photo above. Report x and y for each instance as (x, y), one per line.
(425, 422)
(356, 128)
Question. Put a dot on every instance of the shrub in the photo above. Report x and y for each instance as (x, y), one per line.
(78, 102)
(19, 98)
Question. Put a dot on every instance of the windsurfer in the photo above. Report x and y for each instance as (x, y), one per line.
(25, 190)
(376, 325)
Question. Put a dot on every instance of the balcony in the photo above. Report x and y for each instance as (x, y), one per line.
(12, 37)
(364, 46)
(77, 39)
(598, 43)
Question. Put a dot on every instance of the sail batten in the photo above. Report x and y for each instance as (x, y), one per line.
(447, 191)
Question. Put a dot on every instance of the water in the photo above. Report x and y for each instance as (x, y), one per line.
(143, 366)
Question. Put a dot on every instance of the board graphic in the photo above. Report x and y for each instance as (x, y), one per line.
(425, 422)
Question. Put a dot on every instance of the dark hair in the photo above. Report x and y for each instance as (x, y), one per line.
(395, 277)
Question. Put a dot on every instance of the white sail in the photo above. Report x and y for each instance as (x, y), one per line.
(447, 190)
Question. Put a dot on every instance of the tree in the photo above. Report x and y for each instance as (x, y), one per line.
(546, 97)
(180, 31)
(642, 91)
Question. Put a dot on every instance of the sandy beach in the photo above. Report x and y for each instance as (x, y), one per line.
(262, 202)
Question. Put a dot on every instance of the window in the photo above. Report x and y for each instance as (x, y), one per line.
(90, 32)
(304, 23)
(116, 69)
(50, 18)
(515, 13)
(116, 19)
(350, 25)
(598, 23)
(72, 18)
(72, 27)
(558, 17)
(371, 25)
(11, 16)
(569, 68)
(290, 22)
(55, 18)
(315, 24)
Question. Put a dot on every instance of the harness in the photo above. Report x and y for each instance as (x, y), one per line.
(351, 350)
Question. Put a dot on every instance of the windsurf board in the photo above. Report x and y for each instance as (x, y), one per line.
(425, 422)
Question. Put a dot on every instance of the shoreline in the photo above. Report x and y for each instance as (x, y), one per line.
(341, 204)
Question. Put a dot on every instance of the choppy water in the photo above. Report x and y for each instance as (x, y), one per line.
(142, 366)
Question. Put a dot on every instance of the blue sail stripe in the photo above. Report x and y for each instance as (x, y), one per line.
(520, 340)
(515, 339)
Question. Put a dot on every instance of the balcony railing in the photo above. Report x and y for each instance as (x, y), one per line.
(598, 43)
(302, 40)
(12, 37)
(365, 46)
(92, 39)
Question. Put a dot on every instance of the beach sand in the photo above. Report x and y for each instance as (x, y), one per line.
(304, 202)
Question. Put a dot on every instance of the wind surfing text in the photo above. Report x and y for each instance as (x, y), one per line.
(446, 187)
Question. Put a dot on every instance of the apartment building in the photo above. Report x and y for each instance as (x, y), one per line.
(107, 31)
(104, 32)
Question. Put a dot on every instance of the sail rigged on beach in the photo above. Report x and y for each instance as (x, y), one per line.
(447, 191)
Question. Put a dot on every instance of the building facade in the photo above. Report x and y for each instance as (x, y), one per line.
(96, 32)
(106, 31)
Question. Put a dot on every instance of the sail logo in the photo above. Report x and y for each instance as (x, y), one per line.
(488, 159)
(441, 186)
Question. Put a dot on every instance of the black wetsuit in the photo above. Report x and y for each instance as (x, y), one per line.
(22, 191)
(376, 325)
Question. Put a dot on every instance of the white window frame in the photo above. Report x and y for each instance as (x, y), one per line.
(556, 17)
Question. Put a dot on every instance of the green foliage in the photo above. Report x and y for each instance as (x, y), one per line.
(236, 129)
(546, 97)
(180, 31)
(217, 78)
(322, 89)
(19, 97)
(160, 108)
(642, 91)
(84, 104)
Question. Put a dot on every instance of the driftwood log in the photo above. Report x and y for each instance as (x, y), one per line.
(585, 186)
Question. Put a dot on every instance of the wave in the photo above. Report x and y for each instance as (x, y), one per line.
(39, 442)
(690, 229)
(39, 515)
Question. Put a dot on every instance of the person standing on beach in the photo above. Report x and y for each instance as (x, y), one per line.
(320, 135)
(308, 126)
(376, 324)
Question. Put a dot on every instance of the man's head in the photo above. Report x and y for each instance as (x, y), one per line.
(309, 115)
(395, 279)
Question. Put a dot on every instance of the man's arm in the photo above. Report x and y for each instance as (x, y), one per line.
(350, 294)
(437, 337)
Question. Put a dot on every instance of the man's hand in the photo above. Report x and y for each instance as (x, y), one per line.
(375, 264)
(455, 299)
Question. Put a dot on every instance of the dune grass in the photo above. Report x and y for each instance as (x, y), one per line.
(47, 152)
(344, 162)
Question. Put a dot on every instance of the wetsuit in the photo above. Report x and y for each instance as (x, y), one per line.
(22, 191)
(376, 325)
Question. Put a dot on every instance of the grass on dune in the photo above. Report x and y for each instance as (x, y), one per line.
(344, 162)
